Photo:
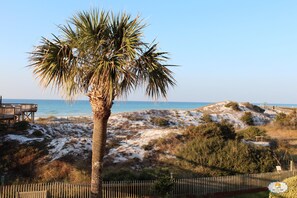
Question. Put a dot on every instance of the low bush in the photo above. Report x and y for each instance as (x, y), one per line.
(251, 132)
(164, 184)
(159, 121)
(233, 105)
(134, 117)
(209, 130)
(223, 157)
(247, 118)
(21, 126)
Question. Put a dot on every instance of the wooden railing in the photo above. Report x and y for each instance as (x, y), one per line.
(17, 112)
(123, 189)
(7, 113)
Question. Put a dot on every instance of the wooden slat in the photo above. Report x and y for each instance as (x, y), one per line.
(121, 189)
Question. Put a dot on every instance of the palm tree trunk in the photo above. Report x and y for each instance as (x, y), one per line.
(101, 114)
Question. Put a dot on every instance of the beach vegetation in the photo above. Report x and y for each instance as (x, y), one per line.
(18, 161)
(206, 118)
(209, 146)
(37, 133)
(250, 133)
(253, 107)
(222, 130)
(188, 113)
(3, 127)
(125, 174)
(164, 183)
(288, 121)
(160, 121)
(61, 171)
(102, 55)
(233, 105)
(247, 118)
(21, 126)
(134, 117)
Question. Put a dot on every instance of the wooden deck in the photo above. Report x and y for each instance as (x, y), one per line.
(15, 112)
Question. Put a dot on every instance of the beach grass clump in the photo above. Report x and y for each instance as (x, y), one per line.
(233, 105)
(160, 121)
(61, 171)
(254, 107)
(247, 118)
(21, 126)
(287, 121)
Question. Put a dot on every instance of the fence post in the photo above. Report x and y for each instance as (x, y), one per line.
(291, 165)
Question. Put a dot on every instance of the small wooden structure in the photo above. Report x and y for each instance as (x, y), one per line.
(13, 112)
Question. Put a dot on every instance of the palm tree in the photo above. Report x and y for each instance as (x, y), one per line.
(103, 56)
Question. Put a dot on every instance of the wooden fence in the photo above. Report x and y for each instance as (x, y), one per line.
(123, 189)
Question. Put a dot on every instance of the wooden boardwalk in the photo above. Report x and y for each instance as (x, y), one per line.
(15, 112)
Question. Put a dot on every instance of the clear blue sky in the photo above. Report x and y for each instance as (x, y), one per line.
(241, 50)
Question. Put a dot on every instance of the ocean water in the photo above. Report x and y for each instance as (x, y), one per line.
(61, 108)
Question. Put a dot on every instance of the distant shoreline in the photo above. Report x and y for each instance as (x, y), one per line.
(82, 108)
(60, 108)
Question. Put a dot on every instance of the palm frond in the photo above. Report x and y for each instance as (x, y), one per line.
(99, 52)
(151, 71)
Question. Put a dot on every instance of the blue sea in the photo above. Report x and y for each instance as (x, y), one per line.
(61, 108)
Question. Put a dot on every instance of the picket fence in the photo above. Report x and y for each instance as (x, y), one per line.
(132, 189)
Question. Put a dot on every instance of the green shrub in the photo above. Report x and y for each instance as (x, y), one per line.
(292, 189)
(164, 183)
(160, 121)
(226, 157)
(21, 126)
(254, 107)
(247, 118)
(209, 130)
(251, 132)
(233, 105)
